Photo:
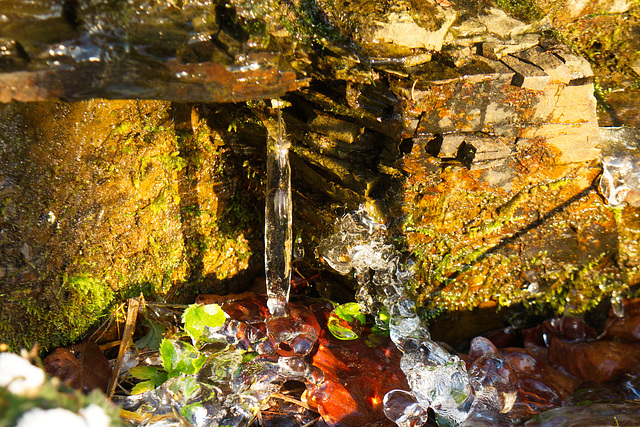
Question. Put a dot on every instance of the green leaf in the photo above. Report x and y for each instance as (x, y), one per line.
(186, 387)
(196, 317)
(189, 411)
(142, 372)
(349, 312)
(143, 387)
(345, 321)
(180, 358)
(152, 339)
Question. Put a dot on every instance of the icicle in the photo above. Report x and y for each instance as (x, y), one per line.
(277, 230)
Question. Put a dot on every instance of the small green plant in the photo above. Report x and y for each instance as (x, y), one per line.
(179, 358)
(196, 317)
(152, 377)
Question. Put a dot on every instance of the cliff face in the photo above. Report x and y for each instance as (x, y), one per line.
(473, 133)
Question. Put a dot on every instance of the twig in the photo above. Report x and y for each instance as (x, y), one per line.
(312, 422)
(293, 400)
(107, 322)
(132, 314)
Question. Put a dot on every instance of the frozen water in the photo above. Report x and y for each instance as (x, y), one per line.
(620, 181)
(494, 382)
(402, 408)
(438, 378)
(617, 306)
(227, 391)
(19, 376)
(278, 218)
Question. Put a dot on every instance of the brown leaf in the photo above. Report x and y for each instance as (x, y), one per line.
(82, 366)
(628, 327)
(356, 379)
(596, 361)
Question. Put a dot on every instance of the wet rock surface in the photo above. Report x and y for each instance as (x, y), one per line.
(133, 49)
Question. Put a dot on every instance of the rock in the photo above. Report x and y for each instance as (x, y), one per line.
(482, 166)
(621, 108)
(496, 50)
(400, 29)
(492, 25)
(578, 66)
(336, 128)
(601, 414)
(113, 171)
(527, 76)
(548, 62)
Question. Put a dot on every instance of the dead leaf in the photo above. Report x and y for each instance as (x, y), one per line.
(82, 366)
(356, 379)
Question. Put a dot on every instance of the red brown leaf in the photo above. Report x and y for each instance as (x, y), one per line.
(356, 379)
(596, 361)
(82, 366)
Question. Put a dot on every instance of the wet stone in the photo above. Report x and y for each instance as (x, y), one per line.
(487, 66)
(548, 62)
(527, 76)
(578, 66)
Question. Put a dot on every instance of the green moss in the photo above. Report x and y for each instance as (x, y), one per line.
(56, 318)
(524, 10)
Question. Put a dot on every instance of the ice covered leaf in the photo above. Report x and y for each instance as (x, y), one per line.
(144, 372)
(345, 321)
(196, 317)
(180, 357)
(349, 312)
(185, 387)
(150, 374)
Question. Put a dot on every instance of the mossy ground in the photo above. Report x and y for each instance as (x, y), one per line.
(110, 199)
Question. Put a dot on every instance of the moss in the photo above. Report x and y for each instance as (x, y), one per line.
(140, 207)
(524, 10)
(474, 244)
(56, 318)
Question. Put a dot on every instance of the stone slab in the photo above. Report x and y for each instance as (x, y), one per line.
(527, 76)
(548, 62)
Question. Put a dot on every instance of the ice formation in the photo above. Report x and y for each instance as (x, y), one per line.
(277, 230)
(620, 181)
(19, 376)
(241, 371)
(290, 332)
(437, 377)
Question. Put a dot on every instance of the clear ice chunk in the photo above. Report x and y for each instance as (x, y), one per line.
(620, 181)
(617, 306)
(494, 382)
(402, 408)
(438, 378)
